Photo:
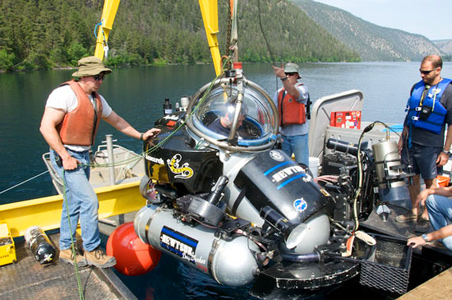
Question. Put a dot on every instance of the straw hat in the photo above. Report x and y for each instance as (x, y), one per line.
(90, 66)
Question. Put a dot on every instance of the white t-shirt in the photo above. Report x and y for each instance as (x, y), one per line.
(65, 99)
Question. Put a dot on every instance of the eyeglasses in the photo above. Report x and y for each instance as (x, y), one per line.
(423, 72)
(98, 77)
(290, 74)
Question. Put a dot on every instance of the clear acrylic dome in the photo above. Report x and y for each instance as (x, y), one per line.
(234, 115)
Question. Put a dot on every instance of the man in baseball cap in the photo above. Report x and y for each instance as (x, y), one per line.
(292, 100)
(292, 68)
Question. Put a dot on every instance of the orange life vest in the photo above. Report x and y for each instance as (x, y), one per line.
(290, 110)
(79, 126)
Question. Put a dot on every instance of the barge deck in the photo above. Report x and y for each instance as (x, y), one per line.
(28, 279)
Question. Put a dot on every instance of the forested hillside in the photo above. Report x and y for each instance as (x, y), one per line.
(43, 34)
(372, 42)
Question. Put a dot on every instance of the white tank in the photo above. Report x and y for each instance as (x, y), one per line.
(230, 262)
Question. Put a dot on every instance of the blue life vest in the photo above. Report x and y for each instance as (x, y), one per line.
(430, 114)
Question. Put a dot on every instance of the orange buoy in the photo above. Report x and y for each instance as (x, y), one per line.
(133, 257)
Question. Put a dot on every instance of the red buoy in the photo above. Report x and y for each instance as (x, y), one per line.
(133, 257)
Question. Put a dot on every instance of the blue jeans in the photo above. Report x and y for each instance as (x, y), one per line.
(298, 145)
(440, 214)
(82, 203)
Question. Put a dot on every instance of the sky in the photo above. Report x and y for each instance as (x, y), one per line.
(430, 18)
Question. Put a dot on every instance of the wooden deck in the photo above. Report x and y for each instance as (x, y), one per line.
(438, 287)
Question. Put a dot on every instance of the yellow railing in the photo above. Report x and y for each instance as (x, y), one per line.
(46, 212)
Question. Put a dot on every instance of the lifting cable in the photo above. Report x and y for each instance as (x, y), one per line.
(272, 57)
(231, 36)
(228, 40)
(259, 13)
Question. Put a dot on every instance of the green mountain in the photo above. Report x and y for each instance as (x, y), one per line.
(372, 42)
(44, 34)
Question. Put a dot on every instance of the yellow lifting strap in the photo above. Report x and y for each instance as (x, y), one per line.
(108, 17)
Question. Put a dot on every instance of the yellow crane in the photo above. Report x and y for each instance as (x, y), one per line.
(116, 199)
(209, 11)
(106, 25)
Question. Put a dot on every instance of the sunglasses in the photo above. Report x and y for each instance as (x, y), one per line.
(98, 77)
(423, 72)
(290, 74)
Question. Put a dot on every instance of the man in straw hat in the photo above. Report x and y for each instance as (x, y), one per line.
(71, 117)
(291, 101)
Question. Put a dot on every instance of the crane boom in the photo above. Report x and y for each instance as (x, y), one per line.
(209, 11)
(108, 17)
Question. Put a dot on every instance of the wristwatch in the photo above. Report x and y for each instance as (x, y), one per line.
(447, 152)
(425, 237)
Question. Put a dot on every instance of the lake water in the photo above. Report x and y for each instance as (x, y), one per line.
(137, 94)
